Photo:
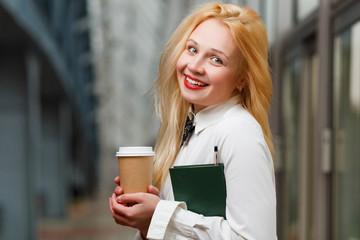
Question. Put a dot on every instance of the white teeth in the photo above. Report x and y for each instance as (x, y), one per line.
(195, 82)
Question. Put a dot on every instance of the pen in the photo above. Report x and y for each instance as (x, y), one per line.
(215, 155)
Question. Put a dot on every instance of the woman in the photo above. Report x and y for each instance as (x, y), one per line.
(213, 70)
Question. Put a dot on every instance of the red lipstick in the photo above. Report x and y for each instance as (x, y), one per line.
(194, 86)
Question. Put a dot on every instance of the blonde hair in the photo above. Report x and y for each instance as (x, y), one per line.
(250, 36)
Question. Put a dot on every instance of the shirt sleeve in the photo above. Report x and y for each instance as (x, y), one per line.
(251, 200)
(163, 217)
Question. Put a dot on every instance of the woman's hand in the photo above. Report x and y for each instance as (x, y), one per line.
(134, 209)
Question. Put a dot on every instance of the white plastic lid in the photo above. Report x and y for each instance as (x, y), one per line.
(135, 151)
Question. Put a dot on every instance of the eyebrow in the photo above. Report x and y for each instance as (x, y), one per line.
(213, 49)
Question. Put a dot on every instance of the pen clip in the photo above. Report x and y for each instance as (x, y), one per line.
(216, 155)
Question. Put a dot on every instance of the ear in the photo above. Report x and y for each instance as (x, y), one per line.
(241, 84)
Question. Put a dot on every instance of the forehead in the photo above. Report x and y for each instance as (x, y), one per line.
(213, 33)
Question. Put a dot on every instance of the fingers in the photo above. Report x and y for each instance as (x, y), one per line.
(118, 212)
(117, 180)
(154, 190)
(114, 215)
(134, 210)
(116, 208)
(118, 191)
(110, 206)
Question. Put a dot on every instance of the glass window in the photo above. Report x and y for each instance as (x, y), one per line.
(290, 116)
(305, 8)
(347, 134)
(307, 135)
(268, 13)
(299, 107)
(284, 17)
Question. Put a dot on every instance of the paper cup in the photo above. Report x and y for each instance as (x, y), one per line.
(135, 168)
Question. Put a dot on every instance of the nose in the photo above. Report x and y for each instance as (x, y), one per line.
(196, 65)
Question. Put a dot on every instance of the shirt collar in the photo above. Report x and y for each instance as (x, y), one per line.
(212, 114)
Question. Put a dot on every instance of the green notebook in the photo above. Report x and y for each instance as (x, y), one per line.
(202, 187)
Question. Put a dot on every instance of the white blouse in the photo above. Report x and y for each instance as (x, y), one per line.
(249, 173)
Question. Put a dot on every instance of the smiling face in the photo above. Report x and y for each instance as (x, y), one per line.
(208, 68)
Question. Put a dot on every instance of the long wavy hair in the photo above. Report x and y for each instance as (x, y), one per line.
(250, 36)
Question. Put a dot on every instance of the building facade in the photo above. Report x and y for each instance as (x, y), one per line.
(47, 123)
(315, 118)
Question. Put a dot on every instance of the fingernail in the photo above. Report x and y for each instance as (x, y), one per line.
(118, 199)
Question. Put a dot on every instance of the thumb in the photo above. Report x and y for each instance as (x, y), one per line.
(130, 198)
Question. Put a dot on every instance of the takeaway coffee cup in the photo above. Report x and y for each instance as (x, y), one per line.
(135, 168)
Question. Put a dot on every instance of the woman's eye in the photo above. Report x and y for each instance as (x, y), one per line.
(217, 60)
(192, 49)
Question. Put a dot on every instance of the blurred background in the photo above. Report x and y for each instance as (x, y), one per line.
(74, 76)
